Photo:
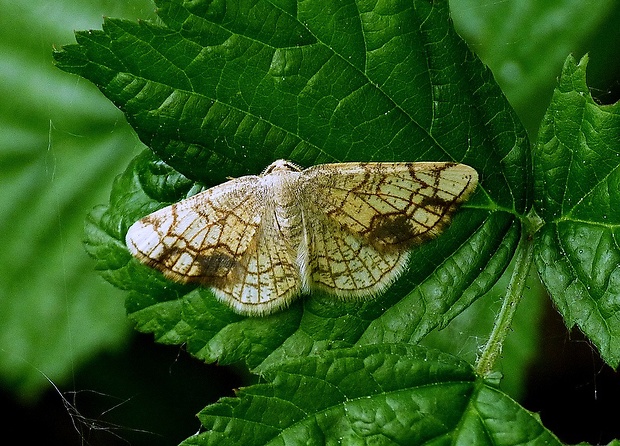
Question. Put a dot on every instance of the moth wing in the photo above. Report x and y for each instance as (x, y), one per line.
(366, 216)
(392, 205)
(345, 264)
(220, 238)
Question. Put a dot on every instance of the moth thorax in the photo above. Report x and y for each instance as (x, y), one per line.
(284, 198)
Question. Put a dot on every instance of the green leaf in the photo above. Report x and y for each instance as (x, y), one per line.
(215, 97)
(388, 394)
(524, 47)
(58, 154)
(215, 102)
(577, 188)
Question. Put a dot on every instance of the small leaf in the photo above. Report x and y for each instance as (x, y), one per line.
(388, 394)
(578, 194)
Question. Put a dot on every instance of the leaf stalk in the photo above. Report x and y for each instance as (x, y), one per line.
(523, 262)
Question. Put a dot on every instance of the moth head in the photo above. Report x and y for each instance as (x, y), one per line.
(281, 166)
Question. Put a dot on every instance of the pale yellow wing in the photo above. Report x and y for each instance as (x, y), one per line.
(223, 238)
(345, 264)
(364, 218)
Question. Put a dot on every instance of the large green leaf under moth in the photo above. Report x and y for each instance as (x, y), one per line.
(578, 196)
(220, 90)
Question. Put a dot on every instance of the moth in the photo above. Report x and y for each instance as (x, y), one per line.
(260, 241)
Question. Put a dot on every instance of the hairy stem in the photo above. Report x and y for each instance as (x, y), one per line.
(493, 348)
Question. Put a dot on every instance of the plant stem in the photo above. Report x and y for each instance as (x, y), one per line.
(493, 348)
